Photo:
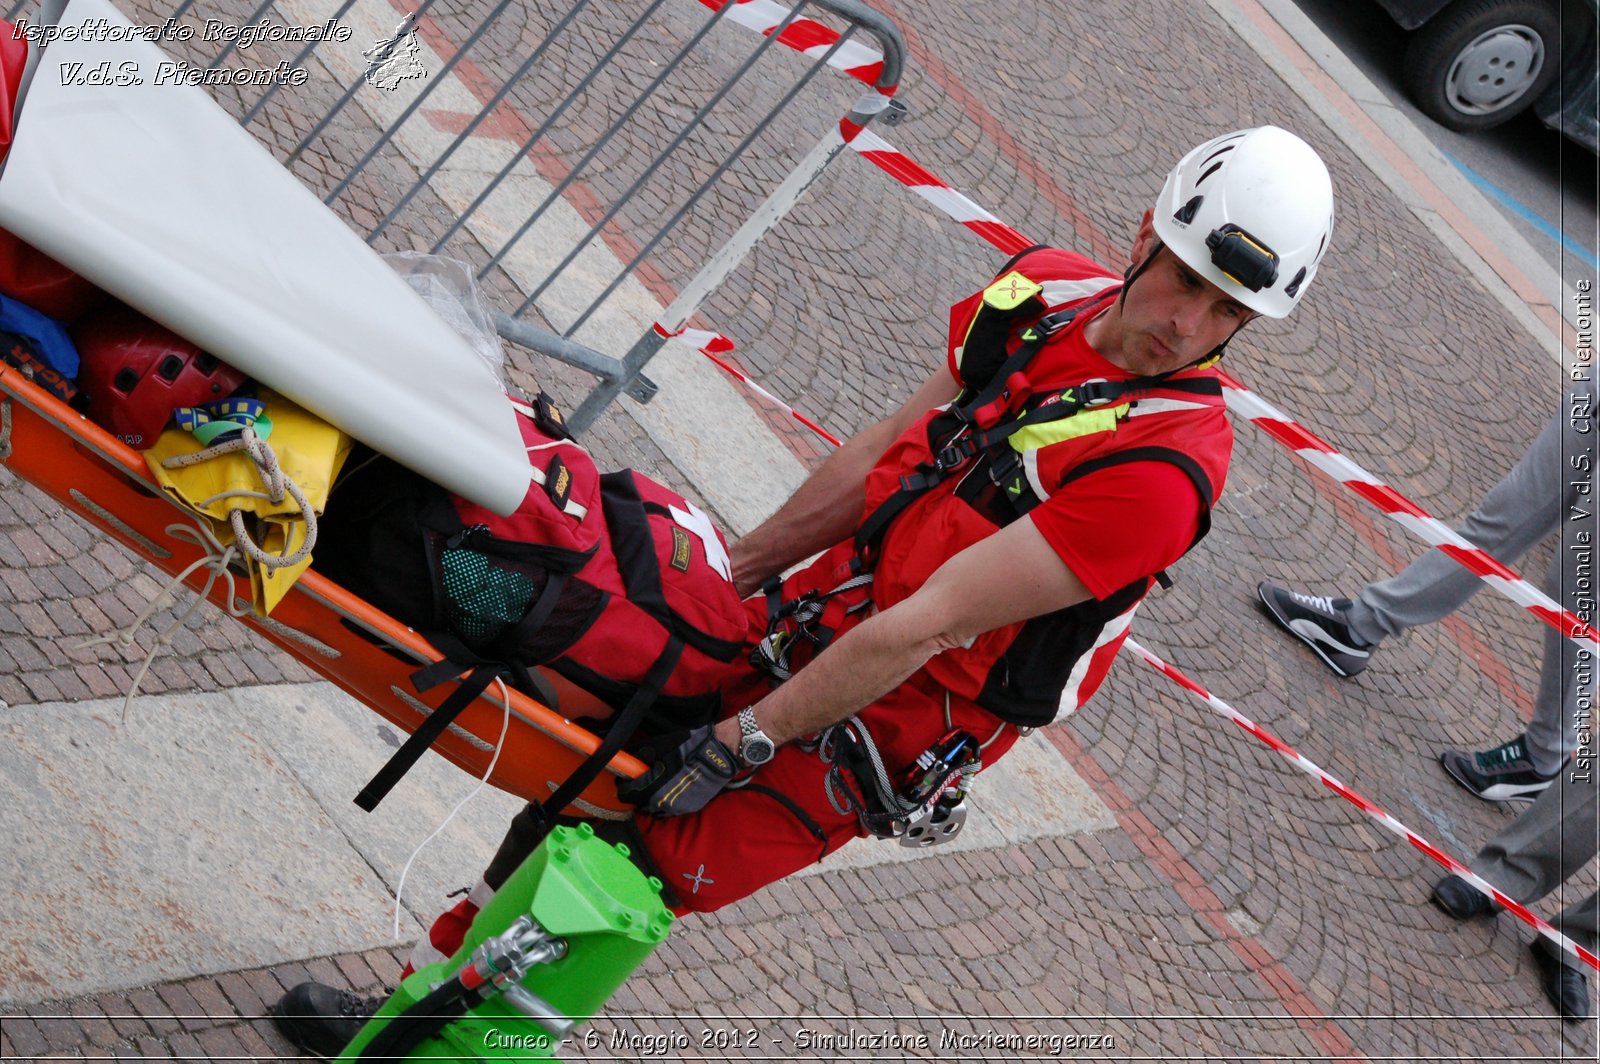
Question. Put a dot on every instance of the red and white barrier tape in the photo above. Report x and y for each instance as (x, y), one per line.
(1384, 820)
(906, 170)
(712, 345)
(861, 61)
(1321, 454)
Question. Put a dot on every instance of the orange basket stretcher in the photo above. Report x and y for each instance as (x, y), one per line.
(336, 634)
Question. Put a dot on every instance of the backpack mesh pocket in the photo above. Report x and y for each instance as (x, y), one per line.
(483, 600)
(486, 597)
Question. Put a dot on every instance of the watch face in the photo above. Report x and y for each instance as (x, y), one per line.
(756, 750)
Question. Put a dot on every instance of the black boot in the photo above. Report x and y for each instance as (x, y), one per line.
(321, 1019)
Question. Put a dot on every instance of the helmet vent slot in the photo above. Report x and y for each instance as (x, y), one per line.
(1292, 289)
(206, 363)
(125, 380)
(170, 367)
(1223, 150)
(1213, 168)
(1187, 212)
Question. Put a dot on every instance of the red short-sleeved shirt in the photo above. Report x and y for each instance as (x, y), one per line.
(1115, 525)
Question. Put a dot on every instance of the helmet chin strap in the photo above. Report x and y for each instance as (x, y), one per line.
(1132, 274)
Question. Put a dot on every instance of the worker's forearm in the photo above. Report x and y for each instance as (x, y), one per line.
(959, 602)
(859, 668)
(824, 510)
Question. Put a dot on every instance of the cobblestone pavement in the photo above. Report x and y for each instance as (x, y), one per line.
(1238, 911)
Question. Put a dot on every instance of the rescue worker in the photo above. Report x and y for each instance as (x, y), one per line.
(984, 547)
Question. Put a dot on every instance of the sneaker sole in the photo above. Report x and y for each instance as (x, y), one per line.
(1289, 626)
(1499, 792)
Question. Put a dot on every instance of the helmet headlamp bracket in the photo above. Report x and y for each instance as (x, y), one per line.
(1242, 258)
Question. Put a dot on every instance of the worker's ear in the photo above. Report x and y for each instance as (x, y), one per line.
(1144, 241)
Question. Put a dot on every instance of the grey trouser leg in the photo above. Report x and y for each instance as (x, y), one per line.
(1536, 498)
(1553, 839)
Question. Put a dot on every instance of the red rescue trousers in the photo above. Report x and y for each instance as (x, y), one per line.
(777, 823)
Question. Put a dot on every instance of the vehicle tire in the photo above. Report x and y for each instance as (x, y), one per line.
(1479, 62)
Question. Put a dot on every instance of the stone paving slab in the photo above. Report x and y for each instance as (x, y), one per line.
(214, 831)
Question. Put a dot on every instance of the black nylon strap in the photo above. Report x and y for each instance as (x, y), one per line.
(634, 545)
(631, 542)
(622, 728)
(478, 680)
(458, 656)
(403, 759)
(535, 618)
(1103, 393)
(929, 476)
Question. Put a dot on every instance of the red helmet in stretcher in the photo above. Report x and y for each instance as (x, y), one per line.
(134, 373)
(1251, 212)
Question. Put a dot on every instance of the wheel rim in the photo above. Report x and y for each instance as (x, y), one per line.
(1495, 70)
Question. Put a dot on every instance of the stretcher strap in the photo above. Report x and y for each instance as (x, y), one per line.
(622, 728)
(483, 673)
(425, 736)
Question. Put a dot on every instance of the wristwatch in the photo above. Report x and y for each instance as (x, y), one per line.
(754, 747)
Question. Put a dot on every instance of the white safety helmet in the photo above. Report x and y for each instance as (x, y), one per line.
(1251, 212)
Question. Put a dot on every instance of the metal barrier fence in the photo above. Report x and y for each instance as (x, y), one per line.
(590, 161)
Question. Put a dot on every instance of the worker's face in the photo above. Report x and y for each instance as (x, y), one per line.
(1171, 315)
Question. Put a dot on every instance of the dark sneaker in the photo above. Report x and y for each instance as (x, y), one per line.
(1504, 774)
(1319, 623)
(321, 1019)
(1462, 900)
(1565, 986)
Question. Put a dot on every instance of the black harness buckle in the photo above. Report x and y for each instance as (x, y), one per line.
(951, 456)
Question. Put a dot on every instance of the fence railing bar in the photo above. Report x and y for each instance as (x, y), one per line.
(298, 61)
(693, 124)
(538, 134)
(606, 138)
(344, 99)
(233, 43)
(732, 158)
(433, 84)
(711, 275)
(477, 120)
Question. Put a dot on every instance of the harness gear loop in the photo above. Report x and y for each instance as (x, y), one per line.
(771, 654)
(931, 794)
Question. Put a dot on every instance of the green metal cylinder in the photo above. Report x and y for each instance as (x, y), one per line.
(577, 888)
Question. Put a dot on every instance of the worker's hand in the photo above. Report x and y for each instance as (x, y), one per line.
(687, 770)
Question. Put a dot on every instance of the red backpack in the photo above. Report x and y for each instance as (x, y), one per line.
(614, 581)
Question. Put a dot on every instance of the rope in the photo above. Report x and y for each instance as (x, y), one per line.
(499, 744)
(216, 558)
(277, 484)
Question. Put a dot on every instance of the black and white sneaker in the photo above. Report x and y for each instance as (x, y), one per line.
(1504, 774)
(1319, 623)
(322, 1019)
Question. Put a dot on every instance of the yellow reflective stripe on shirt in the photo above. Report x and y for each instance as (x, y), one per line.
(1083, 423)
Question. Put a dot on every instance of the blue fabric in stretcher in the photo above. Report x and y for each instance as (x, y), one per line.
(54, 345)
